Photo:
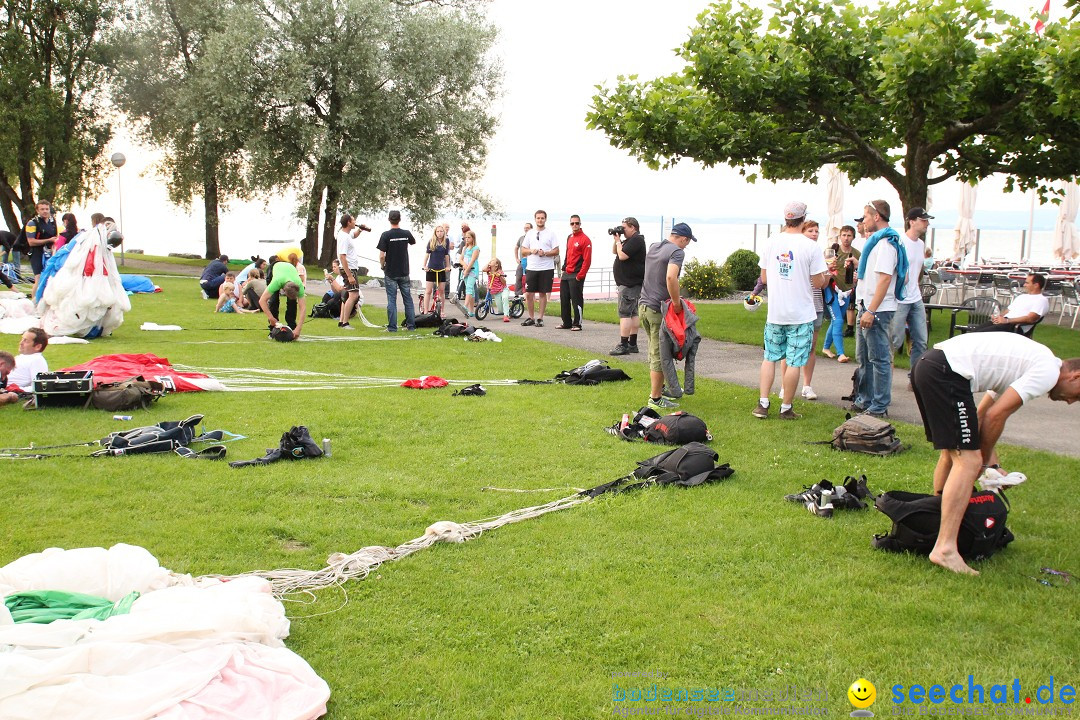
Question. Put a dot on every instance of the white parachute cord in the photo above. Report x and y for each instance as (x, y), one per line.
(359, 564)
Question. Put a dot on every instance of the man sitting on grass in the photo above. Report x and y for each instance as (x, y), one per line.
(18, 374)
(1012, 370)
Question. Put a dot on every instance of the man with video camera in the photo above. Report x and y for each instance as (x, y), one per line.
(629, 272)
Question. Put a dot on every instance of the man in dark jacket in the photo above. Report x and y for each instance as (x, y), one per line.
(629, 271)
(213, 276)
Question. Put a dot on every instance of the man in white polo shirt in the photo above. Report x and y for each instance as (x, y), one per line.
(1024, 311)
(1012, 370)
(539, 248)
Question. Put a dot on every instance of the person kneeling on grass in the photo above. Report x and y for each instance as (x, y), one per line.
(286, 280)
(1012, 370)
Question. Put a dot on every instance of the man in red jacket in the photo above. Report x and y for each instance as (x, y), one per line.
(572, 289)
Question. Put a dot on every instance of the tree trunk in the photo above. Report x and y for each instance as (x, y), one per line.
(9, 205)
(210, 216)
(329, 241)
(310, 244)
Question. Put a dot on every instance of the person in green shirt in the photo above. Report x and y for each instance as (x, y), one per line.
(286, 280)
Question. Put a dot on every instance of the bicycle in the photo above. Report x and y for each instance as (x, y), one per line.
(436, 298)
(516, 306)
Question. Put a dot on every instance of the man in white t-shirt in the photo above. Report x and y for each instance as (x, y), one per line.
(1012, 370)
(791, 267)
(539, 250)
(910, 312)
(875, 300)
(1024, 311)
(28, 363)
(349, 260)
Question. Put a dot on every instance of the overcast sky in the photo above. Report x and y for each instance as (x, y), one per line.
(543, 155)
(553, 55)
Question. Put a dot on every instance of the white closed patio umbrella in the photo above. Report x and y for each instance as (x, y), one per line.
(965, 224)
(1066, 243)
(836, 181)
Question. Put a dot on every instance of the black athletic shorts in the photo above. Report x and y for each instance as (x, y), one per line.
(443, 276)
(946, 403)
(353, 286)
(37, 259)
(539, 281)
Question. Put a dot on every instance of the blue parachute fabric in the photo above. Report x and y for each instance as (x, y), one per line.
(53, 266)
(137, 283)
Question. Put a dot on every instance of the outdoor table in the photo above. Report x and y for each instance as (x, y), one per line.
(938, 306)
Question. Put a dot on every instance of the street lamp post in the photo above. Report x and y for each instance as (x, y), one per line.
(118, 161)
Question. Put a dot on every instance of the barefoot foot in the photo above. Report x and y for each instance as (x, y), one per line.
(952, 561)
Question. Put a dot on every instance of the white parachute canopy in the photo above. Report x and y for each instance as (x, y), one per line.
(85, 297)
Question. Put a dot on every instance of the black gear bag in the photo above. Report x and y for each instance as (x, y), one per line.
(917, 516)
(687, 466)
(678, 428)
(296, 444)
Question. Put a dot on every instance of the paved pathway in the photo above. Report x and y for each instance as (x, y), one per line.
(1042, 424)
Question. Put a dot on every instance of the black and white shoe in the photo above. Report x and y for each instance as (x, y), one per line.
(822, 507)
(810, 494)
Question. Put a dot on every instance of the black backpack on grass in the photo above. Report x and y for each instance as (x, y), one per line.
(687, 466)
(917, 516)
(593, 372)
(678, 428)
(866, 434)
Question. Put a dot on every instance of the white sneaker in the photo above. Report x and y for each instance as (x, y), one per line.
(808, 393)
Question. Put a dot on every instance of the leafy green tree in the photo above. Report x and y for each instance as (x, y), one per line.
(370, 102)
(914, 92)
(163, 80)
(52, 136)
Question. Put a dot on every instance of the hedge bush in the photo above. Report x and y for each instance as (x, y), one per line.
(742, 268)
(706, 281)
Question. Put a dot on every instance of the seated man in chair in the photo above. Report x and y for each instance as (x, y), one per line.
(1025, 310)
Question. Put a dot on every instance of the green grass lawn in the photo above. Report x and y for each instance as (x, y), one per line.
(724, 586)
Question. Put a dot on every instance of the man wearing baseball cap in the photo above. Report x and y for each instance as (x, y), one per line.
(791, 267)
(663, 263)
(910, 312)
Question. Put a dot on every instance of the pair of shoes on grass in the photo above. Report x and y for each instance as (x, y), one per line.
(762, 413)
(824, 497)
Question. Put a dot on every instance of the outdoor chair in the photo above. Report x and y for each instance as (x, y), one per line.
(969, 285)
(928, 291)
(978, 309)
(1052, 291)
(1004, 289)
(1031, 330)
(944, 287)
(1070, 302)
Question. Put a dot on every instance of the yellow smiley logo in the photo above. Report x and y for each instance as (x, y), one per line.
(862, 693)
